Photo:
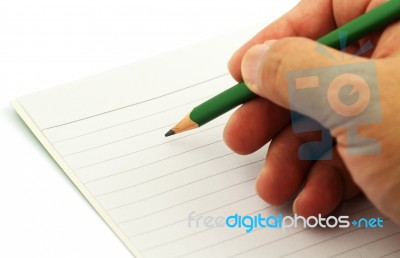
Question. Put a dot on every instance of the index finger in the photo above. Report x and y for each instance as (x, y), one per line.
(310, 19)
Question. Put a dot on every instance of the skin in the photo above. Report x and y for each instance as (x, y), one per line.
(317, 186)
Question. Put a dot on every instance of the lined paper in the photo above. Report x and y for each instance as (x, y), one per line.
(107, 133)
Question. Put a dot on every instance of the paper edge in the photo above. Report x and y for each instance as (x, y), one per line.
(75, 180)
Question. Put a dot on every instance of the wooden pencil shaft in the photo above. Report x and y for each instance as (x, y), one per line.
(354, 30)
(221, 103)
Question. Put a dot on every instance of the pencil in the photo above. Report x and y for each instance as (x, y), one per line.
(377, 18)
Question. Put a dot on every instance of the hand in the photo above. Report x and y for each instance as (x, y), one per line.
(264, 67)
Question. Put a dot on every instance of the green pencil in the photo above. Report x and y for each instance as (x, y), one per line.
(377, 18)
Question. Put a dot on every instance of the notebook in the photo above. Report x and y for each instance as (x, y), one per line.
(107, 134)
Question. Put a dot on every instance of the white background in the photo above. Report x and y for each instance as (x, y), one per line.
(44, 43)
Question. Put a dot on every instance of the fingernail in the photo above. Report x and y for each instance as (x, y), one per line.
(252, 62)
(294, 207)
(256, 184)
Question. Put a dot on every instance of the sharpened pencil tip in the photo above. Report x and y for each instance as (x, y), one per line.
(169, 133)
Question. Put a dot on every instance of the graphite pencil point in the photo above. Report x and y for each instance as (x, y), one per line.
(169, 133)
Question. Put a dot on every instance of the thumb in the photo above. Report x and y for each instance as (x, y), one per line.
(297, 74)
(341, 92)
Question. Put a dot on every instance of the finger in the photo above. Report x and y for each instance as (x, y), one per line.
(373, 37)
(310, 19)
(345, 11)
(388, 42)
(378, 175)
(385, 42)
(370, 154)
(266, 67)
(327, 184)
(253, 125)
(319, 22)
(283, 171)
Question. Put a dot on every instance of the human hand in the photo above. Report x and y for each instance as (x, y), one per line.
(264, 67)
